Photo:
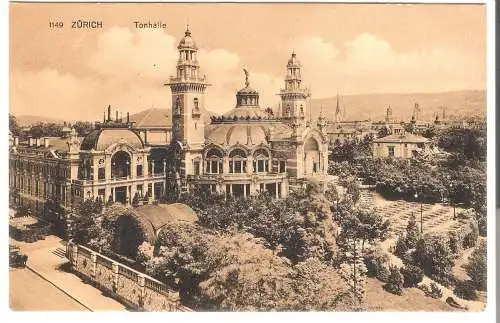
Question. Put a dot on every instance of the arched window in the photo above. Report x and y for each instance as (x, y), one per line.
(120, 165)
(237, 161)
(261, 161)
(213, 162)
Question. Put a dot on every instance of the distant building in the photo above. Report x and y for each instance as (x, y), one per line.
(403, 145)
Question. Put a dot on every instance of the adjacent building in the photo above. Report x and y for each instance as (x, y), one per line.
(400, 145)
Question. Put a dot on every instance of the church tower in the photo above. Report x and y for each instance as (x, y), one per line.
(294, 95)
(188, 96)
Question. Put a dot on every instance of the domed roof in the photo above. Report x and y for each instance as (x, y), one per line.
(100, 139)
(248, 90)
(293, 61)
(187, 41)
(243, 134)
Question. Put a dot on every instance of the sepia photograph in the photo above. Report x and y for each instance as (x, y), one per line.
(248, 157)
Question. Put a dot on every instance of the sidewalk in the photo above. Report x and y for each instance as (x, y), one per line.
(45, 258)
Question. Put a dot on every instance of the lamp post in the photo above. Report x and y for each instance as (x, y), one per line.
(421, 214)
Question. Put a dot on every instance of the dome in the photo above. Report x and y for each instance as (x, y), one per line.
(243, 134)
(100, 139)
(187, 41)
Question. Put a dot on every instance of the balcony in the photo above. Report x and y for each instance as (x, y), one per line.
(82, 182)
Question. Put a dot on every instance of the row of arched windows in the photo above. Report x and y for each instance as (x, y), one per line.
(238, 161)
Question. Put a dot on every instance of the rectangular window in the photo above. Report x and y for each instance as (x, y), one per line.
(260, 166)
(101, 173)
(139, 170)
(237, 166)
(231, 167)
(282, 166)
(315, 167)
(214, 169)
(391, 150)
(197, 168)
(101, 192)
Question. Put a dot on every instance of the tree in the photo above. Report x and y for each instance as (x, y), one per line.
(434, 256)
(353, 270)
(476, 267)
(83, 128)
(412, 232)
(14, 127)
(383, 132)
(394, 282)
(245, 277)
(364, 225)
(318, 286)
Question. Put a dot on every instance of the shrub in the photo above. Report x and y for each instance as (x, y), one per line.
(412, 275)
(466, 290)
(477, 267)
(383, 274)
(401, 247)
(433, 291)
(375, 259)
(395, 282)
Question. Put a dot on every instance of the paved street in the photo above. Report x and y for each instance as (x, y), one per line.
(45, 258)
(30, 292)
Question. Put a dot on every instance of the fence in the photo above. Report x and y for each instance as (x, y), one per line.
(133, 288)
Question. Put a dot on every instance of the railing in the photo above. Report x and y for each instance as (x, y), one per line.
(137, 281)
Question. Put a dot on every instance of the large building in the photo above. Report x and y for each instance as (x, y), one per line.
(243, 152)
(246, 150)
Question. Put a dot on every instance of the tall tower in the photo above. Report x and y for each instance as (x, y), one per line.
(188, 96)
(293, 96)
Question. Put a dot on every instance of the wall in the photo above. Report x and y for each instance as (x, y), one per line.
(133, 288)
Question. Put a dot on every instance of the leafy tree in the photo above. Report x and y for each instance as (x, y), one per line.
(376, 260)
(364, 225)
(434, 256)
(477, 267)
(353, 270)
(318, 286)
(245, 276)
(412, 275)
(394, 282)
(14, 127)
(83, 128)
(383, 132)
(433, 291)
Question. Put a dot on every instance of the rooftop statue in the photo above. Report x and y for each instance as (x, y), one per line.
(247, 74)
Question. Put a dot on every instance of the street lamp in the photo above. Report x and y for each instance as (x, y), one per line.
(421, 214)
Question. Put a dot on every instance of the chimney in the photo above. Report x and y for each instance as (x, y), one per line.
(109, 112)
(116, 119)
(128, 118)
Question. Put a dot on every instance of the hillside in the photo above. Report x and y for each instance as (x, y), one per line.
(364, 106)
(26, 120)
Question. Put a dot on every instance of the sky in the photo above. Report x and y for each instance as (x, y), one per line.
(75, 74)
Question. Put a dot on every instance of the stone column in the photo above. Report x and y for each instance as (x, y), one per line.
(276, 190)
(114, 267)
(93, 258)
(249, 165)
(244, 190)
(142, 291)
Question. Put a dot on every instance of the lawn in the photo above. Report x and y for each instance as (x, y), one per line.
(412, 300)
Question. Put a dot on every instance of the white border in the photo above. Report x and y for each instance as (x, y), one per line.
(486, 316)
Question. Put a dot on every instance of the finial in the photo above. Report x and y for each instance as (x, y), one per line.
(247, 74)
(293, 52)
(188, 32)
